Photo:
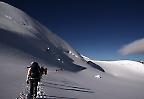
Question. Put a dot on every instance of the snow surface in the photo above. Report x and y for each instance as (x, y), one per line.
(121, 68)
(23, 39)
(122, 65)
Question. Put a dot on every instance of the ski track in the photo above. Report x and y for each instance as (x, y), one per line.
(41, 94)
(70, 89)
(56, 84)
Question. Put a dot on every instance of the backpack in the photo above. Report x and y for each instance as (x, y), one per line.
(35, 71)
(35, 74)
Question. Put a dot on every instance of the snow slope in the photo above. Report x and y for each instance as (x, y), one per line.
(121, 68)
(23, 39)
(22, 32)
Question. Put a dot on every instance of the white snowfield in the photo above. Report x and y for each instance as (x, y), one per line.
(121, 68)
(23, 40)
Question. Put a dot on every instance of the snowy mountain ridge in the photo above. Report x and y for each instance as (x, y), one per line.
(18, 22)
(121, 68)
(20, 31)
(14, 20)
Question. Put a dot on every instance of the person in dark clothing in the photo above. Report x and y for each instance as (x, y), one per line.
(33, 77)
(44, 71)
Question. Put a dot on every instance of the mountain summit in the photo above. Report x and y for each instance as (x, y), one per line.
(23, 33)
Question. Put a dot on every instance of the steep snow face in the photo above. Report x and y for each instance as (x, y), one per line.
(20, 31)
(18, 22)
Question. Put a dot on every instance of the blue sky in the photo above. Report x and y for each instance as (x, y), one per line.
(96, 28)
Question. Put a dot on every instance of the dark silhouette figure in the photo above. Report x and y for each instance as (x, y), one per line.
(33, 77)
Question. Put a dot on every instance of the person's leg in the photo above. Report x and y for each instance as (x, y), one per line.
(36, 84)
(31, 87)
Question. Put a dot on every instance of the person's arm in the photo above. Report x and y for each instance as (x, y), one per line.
(46, 71)
(28, 73)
